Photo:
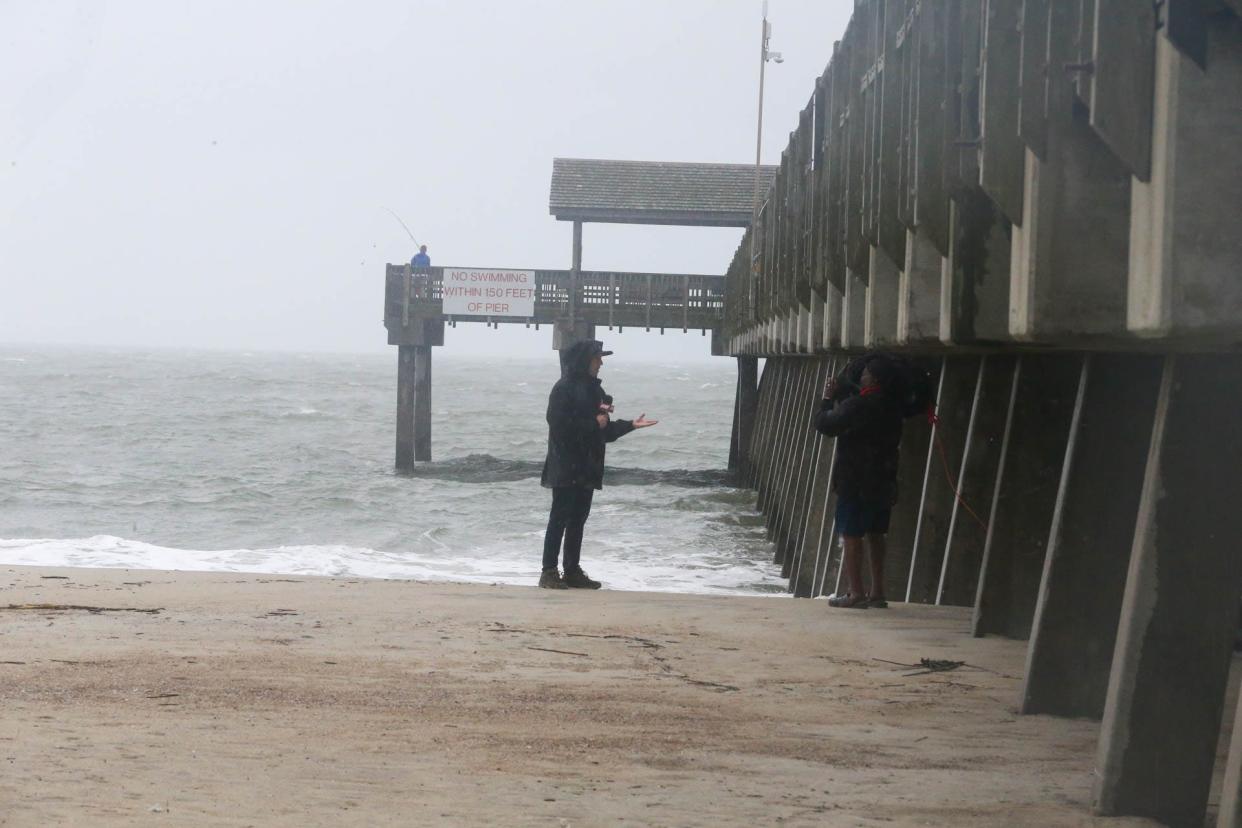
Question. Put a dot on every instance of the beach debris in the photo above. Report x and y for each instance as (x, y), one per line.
(562, 652)
(279, 612)
(925, 666)
(713, 685)
(78, 607)
(54, 577)
(501, 628)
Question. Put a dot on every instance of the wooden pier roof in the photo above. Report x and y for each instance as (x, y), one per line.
(655, 192)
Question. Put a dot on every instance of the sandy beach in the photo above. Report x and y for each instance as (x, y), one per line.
(160, 698)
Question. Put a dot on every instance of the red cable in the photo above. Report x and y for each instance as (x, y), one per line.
(944, 459)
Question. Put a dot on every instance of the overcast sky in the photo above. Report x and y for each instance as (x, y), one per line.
(213, 174)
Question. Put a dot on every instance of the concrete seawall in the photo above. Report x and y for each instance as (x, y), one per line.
(1037, 201)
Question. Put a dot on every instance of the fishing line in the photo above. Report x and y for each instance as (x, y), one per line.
(403, 227)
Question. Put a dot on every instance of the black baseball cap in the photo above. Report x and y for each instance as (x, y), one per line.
(597, 349)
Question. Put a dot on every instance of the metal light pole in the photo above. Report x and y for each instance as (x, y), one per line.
(764, 56)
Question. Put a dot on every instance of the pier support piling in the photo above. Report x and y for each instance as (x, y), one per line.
(1179, 613)
(1025, 493)
(745, 408)
(405, 407)
(954, 404)
(414, 343)
(967, 532)
(1075, 626)
(918, 292)
(911, 467)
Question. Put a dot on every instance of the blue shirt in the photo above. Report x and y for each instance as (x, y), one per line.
(420, 260)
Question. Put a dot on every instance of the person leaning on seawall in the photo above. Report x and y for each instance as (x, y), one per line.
(580, 425)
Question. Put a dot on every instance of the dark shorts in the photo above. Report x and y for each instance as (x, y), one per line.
(857, 517)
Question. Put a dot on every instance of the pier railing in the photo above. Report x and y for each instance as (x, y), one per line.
(650, 300)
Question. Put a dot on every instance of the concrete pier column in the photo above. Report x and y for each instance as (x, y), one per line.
(833, 303)
(807, 461)
(1185, 251)
(1045, 391)
(778, 443)
(883, 291)
(1061, 288)
(824, 574)
(405, 407)
(802, 579)
(773, 382)
(758, 438)
(974, 288)
(854, 311)
(745, 406)
(1230, 813)
(1179, 612)
(794, 461)
(911, 468)
(422, 403)
(790, 461)
(768, 381)
(1075, 625)
(976, 480)
(955, 401)
(785, 456)
(414, 344)
(815, 340)
(918, 292)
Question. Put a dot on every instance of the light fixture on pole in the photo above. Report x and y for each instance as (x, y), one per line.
(764, 56)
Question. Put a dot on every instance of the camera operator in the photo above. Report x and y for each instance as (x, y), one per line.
(863, 408)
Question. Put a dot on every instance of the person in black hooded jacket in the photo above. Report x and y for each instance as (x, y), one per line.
(580, 424)
(864, 408)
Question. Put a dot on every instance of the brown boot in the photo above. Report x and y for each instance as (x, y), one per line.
(551, 579)
(577, 579)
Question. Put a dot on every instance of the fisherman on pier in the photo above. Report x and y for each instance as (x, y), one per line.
(863, 408)
(580, 424)
(421, 259)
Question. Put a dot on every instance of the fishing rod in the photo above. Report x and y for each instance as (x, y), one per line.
(404, 227)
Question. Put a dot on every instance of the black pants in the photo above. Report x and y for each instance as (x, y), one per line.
(570, 508)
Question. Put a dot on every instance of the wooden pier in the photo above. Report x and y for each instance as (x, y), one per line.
(1038, 201)
(572, 304)
(575, 302)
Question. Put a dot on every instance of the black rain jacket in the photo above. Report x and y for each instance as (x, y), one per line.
(575, 440)
(868, 432)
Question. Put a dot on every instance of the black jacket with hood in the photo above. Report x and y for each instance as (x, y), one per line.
(868, 432)
(575, 440)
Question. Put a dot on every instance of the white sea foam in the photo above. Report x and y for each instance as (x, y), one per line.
(503, 566)
(271, 463)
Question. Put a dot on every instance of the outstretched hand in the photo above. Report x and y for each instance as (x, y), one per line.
(643, 422)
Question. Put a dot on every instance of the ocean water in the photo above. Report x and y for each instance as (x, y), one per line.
(282, 463)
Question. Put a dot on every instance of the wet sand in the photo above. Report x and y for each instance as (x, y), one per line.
(273, 701)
